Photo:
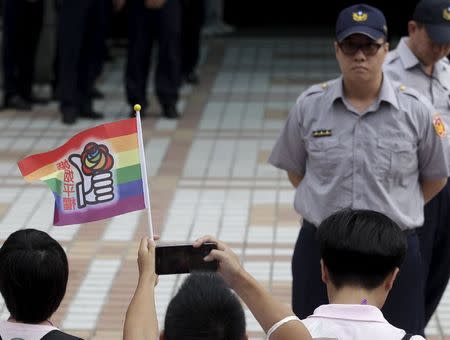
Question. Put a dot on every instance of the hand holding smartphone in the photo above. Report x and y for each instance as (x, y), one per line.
(183, 258)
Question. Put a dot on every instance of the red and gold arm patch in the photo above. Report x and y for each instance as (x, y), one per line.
(439, 125)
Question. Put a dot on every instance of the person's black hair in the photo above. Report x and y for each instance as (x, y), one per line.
(204, 308)
(33, 275)
(360, 247)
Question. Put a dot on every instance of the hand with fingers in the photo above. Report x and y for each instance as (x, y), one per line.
(96, 179)
(230, 267)
(146, 260)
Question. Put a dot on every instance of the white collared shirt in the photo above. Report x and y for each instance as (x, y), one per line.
(352, 322)
(23, 331)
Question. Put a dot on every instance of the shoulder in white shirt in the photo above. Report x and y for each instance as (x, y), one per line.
(25, 331)
(352, 322)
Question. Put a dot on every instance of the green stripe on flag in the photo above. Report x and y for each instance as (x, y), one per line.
(55, 185)
(128, 174)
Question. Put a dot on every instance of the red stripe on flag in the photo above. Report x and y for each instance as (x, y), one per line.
(101, 132)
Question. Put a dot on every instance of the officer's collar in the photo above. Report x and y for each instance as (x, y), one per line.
(387, 92)
(408, 58)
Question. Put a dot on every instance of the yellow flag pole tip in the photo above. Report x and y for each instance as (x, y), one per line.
(137, 107)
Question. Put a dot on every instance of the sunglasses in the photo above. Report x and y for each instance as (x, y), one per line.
(350, 48)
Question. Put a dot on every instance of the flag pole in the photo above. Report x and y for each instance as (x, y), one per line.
(137, 109)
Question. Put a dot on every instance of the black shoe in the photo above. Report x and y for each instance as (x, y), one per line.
(17, 102)
(39, 100)
(69, 117)
(97, 94)
(170, 112)
(92, 115)
(192, 78)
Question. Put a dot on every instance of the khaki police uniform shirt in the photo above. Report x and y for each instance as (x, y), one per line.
(372, 160)
(402, 65)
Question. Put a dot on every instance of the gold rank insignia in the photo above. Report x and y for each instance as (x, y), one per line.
(321, 133)
(439, 125)
(446, 14)
(359, 16)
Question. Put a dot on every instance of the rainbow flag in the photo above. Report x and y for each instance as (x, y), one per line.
(95, 175)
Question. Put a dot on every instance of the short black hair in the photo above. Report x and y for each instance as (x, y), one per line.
(360, 247)
(33, 275)
(204, 308)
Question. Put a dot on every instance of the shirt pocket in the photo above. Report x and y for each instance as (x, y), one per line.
(324, 156)
(396, 159)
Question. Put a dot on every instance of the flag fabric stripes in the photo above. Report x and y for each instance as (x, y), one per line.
(96, 174)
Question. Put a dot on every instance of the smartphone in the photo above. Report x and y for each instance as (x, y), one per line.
(183, 258)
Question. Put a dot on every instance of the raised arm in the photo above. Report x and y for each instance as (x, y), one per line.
(140, 321)
(266, 309)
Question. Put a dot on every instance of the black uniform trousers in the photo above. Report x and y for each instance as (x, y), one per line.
(434, 239)
(404, 305)
(82, 28)
(22, 26)
(144, 26)
(193, 18)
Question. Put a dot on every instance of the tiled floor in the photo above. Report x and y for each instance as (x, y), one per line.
(208, 174)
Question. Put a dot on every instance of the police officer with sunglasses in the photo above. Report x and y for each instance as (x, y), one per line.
(366, 142)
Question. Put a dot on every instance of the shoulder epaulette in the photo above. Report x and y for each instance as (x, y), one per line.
(408, 91)
(416, 95)
(391, 57)
(317, 88)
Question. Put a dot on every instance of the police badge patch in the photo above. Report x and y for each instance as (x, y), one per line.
(439, 125)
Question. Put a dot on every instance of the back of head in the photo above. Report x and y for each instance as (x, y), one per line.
(33, 275)
(360, 247)
(204, 308)
(435, 15)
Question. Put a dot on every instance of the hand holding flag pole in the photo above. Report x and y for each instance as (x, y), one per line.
(137, 109)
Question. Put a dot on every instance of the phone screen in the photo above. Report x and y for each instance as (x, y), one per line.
(183, 258)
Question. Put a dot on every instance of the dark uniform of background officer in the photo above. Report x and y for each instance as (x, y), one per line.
(150, 20)
(364, 142)
(420, 61)
(22, 25)
(82, 27)
(193, 18)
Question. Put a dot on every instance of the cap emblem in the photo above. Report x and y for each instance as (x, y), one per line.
(359, 16)
(446, 14)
